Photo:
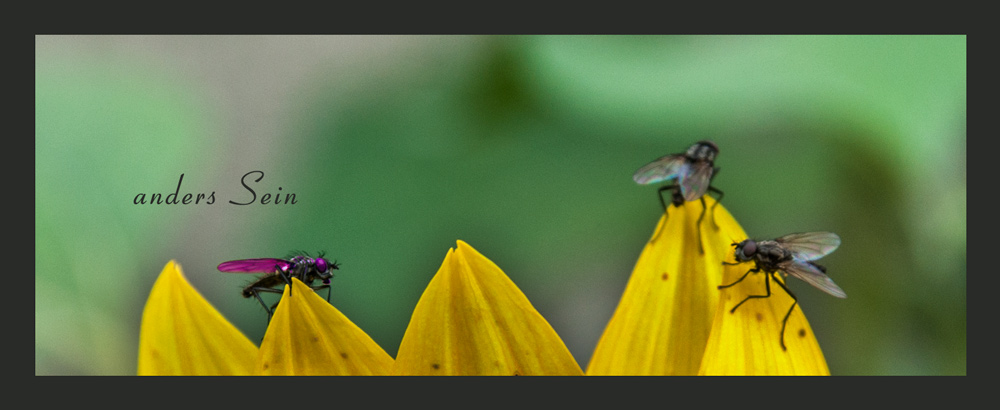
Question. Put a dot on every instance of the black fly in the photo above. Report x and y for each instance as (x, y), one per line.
(792, 254)
(690, 174)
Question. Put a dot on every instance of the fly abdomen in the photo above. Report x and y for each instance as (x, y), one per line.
(818, 266)
(268, 281)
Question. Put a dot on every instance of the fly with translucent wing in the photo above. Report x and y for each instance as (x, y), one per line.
(793, 255)
(690, 175)
(276, 272)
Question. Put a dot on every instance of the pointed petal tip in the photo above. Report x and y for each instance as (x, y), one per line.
(749, 341)
(172, 267)
(182, 334)
(473, 320)
(463, 247)
(308, 336)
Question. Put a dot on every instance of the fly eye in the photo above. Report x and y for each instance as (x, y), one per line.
(321, 264)
(749, 248)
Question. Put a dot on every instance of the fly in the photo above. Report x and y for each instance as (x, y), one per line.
(281, 271)
(690, 175)
(792, 254)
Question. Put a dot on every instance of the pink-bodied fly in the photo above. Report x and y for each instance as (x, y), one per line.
(299, 265)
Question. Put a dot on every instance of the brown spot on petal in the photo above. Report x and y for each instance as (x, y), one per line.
(760, 317)
(344, 355)
(802, 333)
(436, 366)
(664, 276)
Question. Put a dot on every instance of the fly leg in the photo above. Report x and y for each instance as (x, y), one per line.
(256, 293)
(717, 200)
(673, 200)
(294, 271)
(659, 192)
(755, 270)
(327, 287)
(785, 321)
(285, 276)
(767, 286)
(701, 249)
(703, 208)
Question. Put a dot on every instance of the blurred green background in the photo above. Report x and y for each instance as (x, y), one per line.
(522, 146)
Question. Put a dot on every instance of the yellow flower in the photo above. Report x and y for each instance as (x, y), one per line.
(748, 341)
(673, 320)
(182, 334)
(663, 320)
(472, 320)
(308, 336)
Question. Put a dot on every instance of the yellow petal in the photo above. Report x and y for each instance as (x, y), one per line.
(182, 334)
(473, 320)
(308, 336)
(748, 341)
(663, 320)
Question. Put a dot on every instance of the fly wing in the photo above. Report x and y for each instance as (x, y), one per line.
(695, 183)
(661, 169)
(813, 276)
(810, 245)
(254, 265)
